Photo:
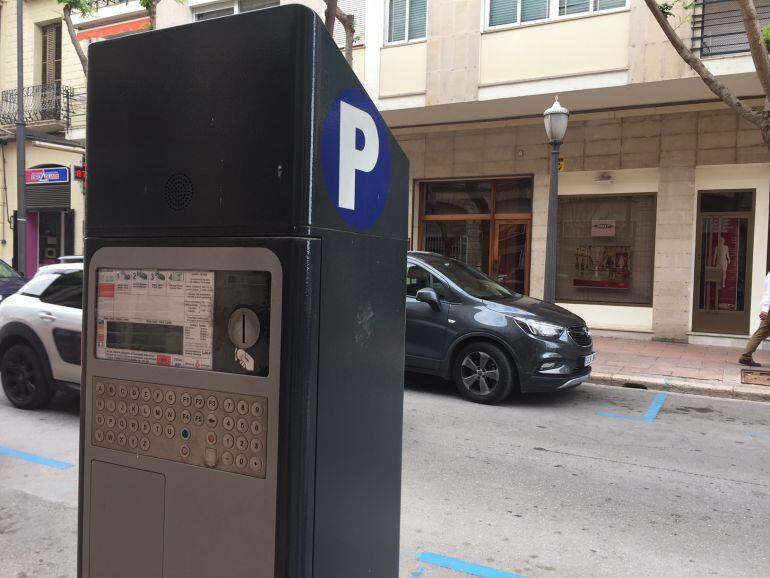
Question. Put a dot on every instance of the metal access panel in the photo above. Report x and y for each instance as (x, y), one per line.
(243, 356)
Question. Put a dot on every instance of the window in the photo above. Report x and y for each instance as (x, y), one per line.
(407, 20)
(418, 278)
(358, 9)
(230, 8)
(506, 12)
(66, 291)
(51, 54)
(606, 249)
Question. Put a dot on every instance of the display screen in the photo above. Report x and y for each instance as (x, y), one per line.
(145, 337)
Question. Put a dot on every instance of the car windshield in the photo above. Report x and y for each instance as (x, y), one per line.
(471, 280)
(7, 271)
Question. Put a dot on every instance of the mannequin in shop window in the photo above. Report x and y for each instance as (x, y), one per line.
(722, 258)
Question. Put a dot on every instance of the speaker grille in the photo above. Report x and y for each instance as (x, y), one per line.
(179, 191)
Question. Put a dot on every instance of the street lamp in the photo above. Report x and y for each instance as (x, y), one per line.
(555, 119)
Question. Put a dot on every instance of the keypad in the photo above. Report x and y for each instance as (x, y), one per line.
(202, 428)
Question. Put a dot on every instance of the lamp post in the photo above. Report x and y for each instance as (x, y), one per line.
(21, 138)
(555, 119)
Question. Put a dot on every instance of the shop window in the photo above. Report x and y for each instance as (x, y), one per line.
(458, 198)
(606, 249)
(467, 241)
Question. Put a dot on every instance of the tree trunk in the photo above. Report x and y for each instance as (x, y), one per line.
(153, 12)
(756, 43)
(697, 65)
(74, 38)
(349, 26)
(330, 15)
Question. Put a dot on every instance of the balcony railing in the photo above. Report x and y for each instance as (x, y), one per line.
(718, 27)
(48, 107)
(105, 3)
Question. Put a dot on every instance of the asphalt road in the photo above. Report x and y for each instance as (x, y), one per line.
(541, 486)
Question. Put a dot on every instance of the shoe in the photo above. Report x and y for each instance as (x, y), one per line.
(748, 361)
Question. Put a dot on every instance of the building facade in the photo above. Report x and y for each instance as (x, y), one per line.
(664, 194)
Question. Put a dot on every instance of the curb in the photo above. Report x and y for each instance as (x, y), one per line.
(745, 392)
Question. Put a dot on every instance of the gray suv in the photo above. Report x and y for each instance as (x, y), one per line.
(488, 340)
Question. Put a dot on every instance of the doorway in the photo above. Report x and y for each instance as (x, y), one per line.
(511, 254)
(723, 256)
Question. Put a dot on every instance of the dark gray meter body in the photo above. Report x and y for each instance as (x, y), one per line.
(244, 316)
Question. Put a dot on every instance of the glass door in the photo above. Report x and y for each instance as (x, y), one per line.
(723, 264)
(510, 259)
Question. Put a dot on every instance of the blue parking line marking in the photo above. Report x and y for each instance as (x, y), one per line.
(758, 434)
(649, 416)
(463, 566)
(35, 459)
(419, 572)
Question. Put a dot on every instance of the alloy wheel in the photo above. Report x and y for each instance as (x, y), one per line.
(479, 373)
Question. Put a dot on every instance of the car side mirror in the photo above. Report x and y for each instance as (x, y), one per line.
(429, 296)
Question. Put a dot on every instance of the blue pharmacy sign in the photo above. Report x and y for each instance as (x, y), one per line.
(355, 158)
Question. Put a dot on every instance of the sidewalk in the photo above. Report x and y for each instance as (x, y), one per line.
(679, 367)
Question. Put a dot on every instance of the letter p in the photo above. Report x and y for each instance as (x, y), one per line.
(352, 159)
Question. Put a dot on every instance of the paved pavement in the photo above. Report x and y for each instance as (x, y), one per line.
(541, 486)
(705, 370)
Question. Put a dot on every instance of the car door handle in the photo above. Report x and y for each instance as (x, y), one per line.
(45, 316)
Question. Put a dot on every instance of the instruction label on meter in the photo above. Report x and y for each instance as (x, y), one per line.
(155, 317)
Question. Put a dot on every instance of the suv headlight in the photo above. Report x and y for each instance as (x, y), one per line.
(540, 328)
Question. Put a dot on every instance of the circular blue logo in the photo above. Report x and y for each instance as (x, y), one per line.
(355, 158)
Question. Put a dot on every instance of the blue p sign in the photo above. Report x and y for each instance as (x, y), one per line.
(355, 158)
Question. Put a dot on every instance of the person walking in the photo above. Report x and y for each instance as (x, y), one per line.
(762, 332)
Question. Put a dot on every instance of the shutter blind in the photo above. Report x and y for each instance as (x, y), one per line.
(567, 7)
(610, 4)
(502, 12)
(358, 9)
(397, 21)
(418, 10)
(535, 10)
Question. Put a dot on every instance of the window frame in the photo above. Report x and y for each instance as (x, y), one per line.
(406, 39)
(61, 279)
(214, 6)
(553, 15)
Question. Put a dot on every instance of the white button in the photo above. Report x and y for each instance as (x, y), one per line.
(133, 392)
(110, 389)
(99, 387)
(122, 390)
(255, 464)
(198, 418)
(227, 459)
(256, 409)
(157, 395)
(110, 437)
(133, 408)
(256, 427)
(243, 425)
(110, 405)
(121, 439)
(212, 403)
(157, 412)
(110, 421)
(170, 414)
(133, 425)
(240, 461)
(184, 451)
(211, 438)
(145, 427)
(229, 405)
(242, 443)
(99, 435)
(99, 419)
(169, 431)
(256, 446)
(144, 444)
(146, 394)
(186, 399)
(170, 397)
(132, 442)
(211, 457)
(185, 415)
(198, 401)
(228, 423)
(227, 440)
(99, 404)
(243, 407)
(157, 429)
(145, 411)
(211, 420)
(122, 407)
(121, 423)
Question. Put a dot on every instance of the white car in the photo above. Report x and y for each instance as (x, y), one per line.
(40, 334)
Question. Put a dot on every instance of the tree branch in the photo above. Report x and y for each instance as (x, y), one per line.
(697, 65)
(756, 44)
(348, 25)
(74, 38)
(330, 15)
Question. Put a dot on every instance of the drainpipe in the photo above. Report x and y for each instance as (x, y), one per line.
(21, 137)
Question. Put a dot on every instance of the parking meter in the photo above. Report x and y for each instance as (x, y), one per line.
(244, 314)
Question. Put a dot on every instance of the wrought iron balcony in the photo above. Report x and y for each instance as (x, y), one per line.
(47, 107)
(718, 28)
(105, 3)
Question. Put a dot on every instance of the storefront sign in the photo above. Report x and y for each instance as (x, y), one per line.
(603, 228)
(47, 176)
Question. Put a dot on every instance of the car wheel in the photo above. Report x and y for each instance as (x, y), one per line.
(484, 373)
(24, 381)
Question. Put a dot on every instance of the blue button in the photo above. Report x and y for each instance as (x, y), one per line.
(185, 433)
